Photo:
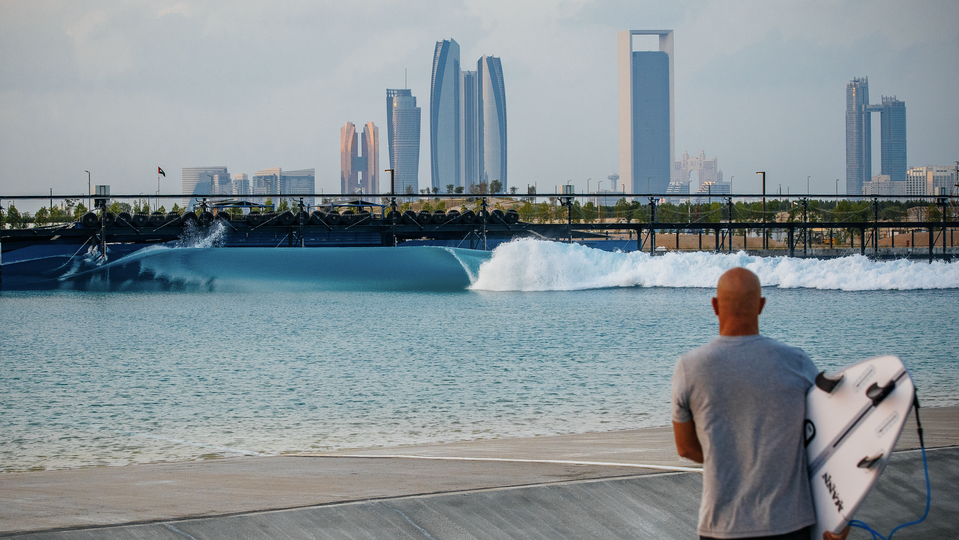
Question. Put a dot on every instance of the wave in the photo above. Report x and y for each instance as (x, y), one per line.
(536, 265)
(248, 269)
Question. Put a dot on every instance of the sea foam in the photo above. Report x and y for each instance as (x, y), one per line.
(536, 265)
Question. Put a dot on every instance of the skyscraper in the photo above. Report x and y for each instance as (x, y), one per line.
(199, 181)
(353, 164)
(404, 140)
(492, 119)
(445, 113)
(892, 139)
(646, 112)
(858, 136)
(471, 130)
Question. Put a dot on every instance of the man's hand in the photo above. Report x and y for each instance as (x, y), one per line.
(841, 536)
(687, 443)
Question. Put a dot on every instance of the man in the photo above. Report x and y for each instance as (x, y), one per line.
(738, 407)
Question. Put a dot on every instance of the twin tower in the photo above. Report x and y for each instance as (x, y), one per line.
(467, 132)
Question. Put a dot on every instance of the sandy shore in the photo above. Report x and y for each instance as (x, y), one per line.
(48, 500)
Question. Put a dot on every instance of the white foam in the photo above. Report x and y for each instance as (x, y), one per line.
(535, 265)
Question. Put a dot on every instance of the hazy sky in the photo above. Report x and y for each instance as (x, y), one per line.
(121, 87)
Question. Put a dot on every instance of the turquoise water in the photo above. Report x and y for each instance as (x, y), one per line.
(191, 357)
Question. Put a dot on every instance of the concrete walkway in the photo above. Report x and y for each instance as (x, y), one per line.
(407, 497)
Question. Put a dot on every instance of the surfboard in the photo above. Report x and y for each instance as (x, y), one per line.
(853, 419)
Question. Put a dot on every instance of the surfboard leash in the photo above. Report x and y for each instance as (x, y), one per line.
(925, 468)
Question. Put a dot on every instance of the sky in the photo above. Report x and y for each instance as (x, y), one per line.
(119, 88)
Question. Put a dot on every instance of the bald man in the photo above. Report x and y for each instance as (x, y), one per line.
(738, 406)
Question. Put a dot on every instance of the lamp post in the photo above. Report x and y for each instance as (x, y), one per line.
(89, 192)
(807, 185)
(764, 206)
(647, 183)
(837, 187)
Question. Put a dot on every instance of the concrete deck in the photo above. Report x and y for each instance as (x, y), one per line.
(376, 496)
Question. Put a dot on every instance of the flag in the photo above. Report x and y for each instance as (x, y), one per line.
(160, 171)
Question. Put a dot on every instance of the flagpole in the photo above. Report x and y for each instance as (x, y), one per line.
(158, 191)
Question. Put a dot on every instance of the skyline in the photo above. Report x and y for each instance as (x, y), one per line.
(119, 89)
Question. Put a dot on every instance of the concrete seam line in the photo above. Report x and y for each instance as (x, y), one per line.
(410, 521)
(510, 460)
(174, 529)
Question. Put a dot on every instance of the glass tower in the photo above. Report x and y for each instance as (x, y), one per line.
(893, 139)
(646, 113)
(404, 141)
(492, 118)
(858, 136)
(445, 113)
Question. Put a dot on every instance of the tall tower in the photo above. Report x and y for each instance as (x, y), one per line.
(348, 154)
(471, 130)
(445, 113)
(858, 136)
(353, 165)
(370, 180)
(404, 140)
(893, 138)
(646, 112)
(492, 119)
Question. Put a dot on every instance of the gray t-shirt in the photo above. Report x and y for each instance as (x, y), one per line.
(747, 396)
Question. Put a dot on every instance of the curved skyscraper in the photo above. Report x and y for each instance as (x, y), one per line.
(492, 119)
(445, 113)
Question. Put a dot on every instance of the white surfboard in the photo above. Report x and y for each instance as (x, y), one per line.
(853, 419)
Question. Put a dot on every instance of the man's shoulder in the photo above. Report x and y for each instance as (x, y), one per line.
(742, 345)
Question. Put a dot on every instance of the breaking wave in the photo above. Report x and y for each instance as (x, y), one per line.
(535, 265)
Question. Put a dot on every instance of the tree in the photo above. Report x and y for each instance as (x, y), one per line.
(409, 190)
(526, 212)
(495, 186)
(589, 212)
(450, 188)
(544, 212)
(460, 190)
(512, 190)
(13, 217)
(42, 216)
(435, 190)
(284, 205)
(177, 210)
(622, 210)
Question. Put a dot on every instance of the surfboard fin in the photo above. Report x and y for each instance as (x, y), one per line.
(826, 383)
(878, 393)
(868, 461)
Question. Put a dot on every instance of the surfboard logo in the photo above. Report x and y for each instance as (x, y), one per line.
(836, 499)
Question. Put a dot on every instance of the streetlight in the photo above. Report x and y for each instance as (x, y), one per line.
(764, 206)
(647, 184)
(89, 192)
(837, 187)
(807, 185)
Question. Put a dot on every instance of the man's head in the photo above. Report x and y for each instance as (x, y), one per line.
(738, 303)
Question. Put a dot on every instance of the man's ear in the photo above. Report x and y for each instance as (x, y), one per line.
(762, 304)
(716, 306)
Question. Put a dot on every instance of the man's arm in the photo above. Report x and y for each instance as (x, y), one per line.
(687, 443)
